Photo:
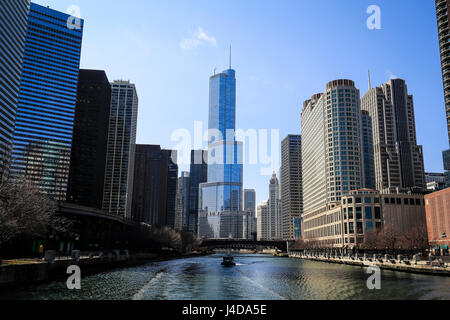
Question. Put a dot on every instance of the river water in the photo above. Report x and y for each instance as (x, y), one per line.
(256, 277)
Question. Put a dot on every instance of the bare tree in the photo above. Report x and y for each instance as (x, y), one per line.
(416, 238)
(373, 240)
(26, 213)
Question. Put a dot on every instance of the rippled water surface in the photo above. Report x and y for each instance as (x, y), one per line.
(254, 278)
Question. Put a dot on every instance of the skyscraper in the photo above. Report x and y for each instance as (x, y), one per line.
(150, 185)
(249, 205)
(331, 148)
(442, 13)
(367, 149)
(90, 138)
(172, 180)
(275, 219)
(220, 214)
(13, 29)
(198, 175)
(291, 187)
(46, 110)
(331, 145)
(249, 201)
(185, 190)
(179, 205)
(263, 222)
(120, 158)
(398, 160)
(269, 220)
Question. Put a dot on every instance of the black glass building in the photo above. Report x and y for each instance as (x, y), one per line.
(13, 29)
(154, 186)
(90, 138)
(198, 175)
(46, 109)
(172, 180)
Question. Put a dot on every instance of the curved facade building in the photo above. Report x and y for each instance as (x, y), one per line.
(332, 155)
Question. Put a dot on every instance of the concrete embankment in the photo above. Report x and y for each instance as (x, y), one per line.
(33, 272)
(422, 267)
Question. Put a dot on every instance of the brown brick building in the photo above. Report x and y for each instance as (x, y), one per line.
(437, 206)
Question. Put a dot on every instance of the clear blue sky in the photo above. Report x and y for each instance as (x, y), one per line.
(283, 52)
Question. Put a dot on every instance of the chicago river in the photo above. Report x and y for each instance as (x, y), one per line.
(255, 277)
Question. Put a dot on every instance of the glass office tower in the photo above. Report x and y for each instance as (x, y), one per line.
(46, 109)
(220, 198)
(13, 30)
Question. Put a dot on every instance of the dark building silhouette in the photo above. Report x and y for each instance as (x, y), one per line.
(90, 138)
(154, 186)
(198, 175)
(172, 179)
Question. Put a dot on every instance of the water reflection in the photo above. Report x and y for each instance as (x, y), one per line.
(254, 278)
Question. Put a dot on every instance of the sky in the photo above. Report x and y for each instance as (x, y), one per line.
(283, 53)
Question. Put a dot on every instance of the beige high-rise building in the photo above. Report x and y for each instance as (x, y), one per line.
(291, 187)
(263, 229)
(331, 147)
(269, 223)
(398, 160)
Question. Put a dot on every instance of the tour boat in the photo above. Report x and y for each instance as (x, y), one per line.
(228, 261)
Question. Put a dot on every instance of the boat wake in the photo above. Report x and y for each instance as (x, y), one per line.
(273, 293)
(140, 294)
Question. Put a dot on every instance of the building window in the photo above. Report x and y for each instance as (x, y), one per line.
(359, 213)
(359, 227)
(350, 213)
(351, 228)
(368, 213)
(378, 213)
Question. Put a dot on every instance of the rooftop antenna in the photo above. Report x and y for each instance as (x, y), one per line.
(215, 71)
(230, 56)
(370, 84)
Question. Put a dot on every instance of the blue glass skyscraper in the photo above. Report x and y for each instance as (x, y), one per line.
(220, 214)
(46, 109)
(13, 29)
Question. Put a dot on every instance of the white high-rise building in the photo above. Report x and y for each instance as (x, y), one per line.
(121, 149)
(269, 214)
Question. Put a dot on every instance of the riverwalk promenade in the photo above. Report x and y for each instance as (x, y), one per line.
(30, 271)
(399, 263)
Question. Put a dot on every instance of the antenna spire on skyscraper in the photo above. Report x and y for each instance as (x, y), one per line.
(370, 84)
(230, 56)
